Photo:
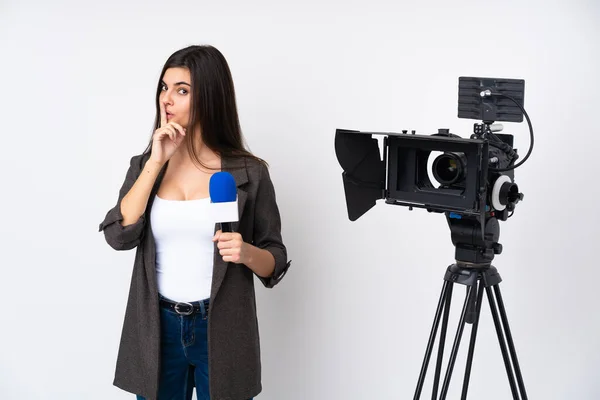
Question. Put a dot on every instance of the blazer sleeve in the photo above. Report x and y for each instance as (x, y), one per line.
(116, 235)
(267, 228)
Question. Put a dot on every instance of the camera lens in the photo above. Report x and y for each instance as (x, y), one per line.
(449, 168)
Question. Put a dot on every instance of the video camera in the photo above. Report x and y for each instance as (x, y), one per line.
(470, 180)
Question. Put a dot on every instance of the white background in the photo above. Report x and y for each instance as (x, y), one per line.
(352, 317)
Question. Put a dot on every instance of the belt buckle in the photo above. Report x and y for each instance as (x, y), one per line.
(181, 312)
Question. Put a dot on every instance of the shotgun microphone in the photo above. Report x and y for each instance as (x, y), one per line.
(223, 198)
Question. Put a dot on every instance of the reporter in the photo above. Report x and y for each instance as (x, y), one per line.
(191, 313)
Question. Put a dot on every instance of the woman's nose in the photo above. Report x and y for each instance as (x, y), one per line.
(167, 99)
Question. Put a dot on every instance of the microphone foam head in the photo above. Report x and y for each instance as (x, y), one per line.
(222, 188)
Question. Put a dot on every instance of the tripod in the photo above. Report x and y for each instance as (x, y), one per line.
(474, 252)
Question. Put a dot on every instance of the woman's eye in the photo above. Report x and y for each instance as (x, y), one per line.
(183, 91)
(163, 87)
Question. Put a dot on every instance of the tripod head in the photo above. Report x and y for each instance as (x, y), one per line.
(474, 248)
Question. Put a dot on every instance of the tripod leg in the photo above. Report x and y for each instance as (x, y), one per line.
(461, 326)
(511, 344)
(444, 299)
(473, 338)
(440, 356)
(509, 372)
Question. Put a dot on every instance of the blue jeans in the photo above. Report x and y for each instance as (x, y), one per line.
(184, 356)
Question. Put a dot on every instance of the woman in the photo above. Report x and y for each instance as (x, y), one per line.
(191, 313)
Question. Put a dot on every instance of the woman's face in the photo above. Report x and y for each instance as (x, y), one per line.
(176, 94)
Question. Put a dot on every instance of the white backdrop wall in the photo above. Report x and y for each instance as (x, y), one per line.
(352, 317)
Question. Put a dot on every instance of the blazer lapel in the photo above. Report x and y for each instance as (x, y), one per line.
(237, 168)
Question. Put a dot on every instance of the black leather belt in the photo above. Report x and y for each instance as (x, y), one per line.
(185, 308)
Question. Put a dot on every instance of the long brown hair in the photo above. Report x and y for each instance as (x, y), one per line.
(213, 104)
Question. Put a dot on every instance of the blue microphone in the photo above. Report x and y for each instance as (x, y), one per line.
(223, 198)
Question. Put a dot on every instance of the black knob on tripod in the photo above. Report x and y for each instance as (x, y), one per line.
(497, 248)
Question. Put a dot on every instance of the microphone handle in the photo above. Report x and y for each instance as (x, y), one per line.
(226, 227)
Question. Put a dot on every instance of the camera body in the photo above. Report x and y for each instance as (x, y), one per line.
(460, 180)
(466, 181)
(470, 180)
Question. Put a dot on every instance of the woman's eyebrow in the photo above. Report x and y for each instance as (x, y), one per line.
(178, 83)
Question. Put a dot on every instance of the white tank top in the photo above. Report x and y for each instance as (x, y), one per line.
(183, 231)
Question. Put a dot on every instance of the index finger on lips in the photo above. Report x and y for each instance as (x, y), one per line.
(163, 114)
